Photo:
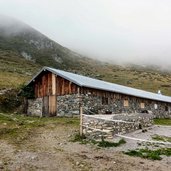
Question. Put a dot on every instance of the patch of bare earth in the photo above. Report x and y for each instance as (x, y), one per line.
(49, 149)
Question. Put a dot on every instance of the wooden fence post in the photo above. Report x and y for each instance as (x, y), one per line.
(81, 120)
(80, 111)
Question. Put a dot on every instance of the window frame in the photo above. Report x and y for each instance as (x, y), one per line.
(105, 100)
(126, 103)
(155, 106)
(142, 105)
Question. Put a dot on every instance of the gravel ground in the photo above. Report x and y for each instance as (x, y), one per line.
(133, 144)
(50, 149)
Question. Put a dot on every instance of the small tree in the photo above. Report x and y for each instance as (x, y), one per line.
(27, 91)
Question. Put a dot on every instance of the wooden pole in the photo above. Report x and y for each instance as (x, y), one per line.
(80, 111)
(81, 120)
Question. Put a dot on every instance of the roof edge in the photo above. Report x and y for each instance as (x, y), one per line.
(50, 70)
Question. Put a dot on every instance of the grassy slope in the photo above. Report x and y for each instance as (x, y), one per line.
(15, 70)
(142, 78)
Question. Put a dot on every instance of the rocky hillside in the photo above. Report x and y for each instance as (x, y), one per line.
(34, 46)
(23, 51)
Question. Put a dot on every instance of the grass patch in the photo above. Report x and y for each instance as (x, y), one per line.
(36, 121)
(150, 154)
(161, 138)
(162, 122)
(103, 143)
(10, 131)
(78, 138)
(17, 128)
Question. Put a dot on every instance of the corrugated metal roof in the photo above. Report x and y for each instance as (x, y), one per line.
(84, 81)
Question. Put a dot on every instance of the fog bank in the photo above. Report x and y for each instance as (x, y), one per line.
(127, 31)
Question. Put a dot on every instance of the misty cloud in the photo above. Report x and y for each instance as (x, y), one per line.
(111, 30)
(10, 26)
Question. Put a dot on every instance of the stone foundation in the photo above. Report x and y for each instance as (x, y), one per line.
(94, 127)
(35, 107)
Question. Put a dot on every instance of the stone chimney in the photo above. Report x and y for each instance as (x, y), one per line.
(159, 92)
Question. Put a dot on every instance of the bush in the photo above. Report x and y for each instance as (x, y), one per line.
(105, 144)
(9, 101)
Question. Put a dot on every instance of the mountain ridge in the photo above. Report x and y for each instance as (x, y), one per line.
(25, 50)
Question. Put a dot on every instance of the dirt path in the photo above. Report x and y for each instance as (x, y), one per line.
(49, 149)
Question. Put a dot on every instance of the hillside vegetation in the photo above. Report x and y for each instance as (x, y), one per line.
(15, 71)
(23, 51)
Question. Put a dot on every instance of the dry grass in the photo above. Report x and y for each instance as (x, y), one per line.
(12, 80)
(15, 70)
(162, 122)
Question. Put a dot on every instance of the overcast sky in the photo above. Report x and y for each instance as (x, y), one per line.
(118, 30)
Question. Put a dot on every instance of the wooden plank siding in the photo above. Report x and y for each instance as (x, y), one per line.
(49, 84)
(102, 93)
(65, 87)
(43, 85)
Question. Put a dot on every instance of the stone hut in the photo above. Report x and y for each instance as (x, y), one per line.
(59, 93)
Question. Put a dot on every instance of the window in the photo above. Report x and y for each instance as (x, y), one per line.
(142, 105)
(105, 101)
(166, 108)
(126, 103)
(155, 106)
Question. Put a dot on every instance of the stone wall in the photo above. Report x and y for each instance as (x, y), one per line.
(35, 107)
(97, 126)
(68, 105)
(160, 111)
(93, 105)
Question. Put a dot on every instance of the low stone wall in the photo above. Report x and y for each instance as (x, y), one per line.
(97, 126)
(35, 107)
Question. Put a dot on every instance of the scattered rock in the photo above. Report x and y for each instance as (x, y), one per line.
(139, 143)
(81, 165)
(1, 165)
(77, 163)
(34, 157)
(144, 130)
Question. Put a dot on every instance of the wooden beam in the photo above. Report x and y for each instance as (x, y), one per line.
(70, 87)
(81, 121)
(62, 86)
(53, 84)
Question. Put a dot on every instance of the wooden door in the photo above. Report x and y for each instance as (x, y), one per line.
(52, 105)
(45, 111)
